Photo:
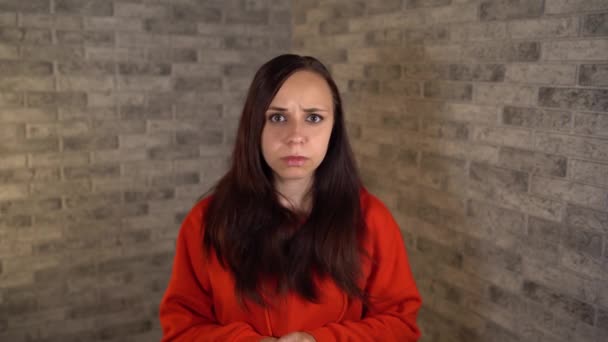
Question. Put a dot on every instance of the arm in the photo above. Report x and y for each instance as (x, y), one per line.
(186, 310)
(394, 298)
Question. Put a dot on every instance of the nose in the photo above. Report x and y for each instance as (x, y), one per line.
(296, 133)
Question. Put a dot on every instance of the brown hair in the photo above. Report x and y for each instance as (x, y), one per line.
(253, 234)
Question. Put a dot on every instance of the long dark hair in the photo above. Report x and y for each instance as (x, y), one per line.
(258, 238)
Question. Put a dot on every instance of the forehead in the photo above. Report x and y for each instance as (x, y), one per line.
(304, 87)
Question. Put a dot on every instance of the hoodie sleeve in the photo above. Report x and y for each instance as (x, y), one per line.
(394, 298)
(186, 310)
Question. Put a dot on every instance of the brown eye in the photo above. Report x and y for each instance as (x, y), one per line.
(314, 118)
(277, 117)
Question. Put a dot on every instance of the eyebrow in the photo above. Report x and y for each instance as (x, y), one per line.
(308, 110)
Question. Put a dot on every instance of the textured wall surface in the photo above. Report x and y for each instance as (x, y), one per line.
(484, 126)
(114, 117)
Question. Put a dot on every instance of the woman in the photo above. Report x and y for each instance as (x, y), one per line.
(290, 246)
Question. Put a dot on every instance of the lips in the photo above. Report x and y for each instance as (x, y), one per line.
(294, 160)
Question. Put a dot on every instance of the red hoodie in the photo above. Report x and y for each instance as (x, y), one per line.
(200, 302)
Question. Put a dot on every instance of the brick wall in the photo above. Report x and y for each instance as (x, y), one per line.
(483, 124)
(114, 117)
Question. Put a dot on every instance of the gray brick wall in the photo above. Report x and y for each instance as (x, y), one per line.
(114, 117)
(483, 124)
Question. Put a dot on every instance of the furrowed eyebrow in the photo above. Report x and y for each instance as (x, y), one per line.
(308, 110)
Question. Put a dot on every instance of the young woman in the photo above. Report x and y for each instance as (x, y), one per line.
(290, 246)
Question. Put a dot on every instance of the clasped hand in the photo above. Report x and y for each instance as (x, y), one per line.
(293, 337)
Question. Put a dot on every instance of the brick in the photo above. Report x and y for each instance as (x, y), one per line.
(9, 51)
(382, 72)
(119, 156)
(85, 37)
(56, 99)
(85, 83)
(403, 88)
(545, 119)
(13, 191)
(589, 172)
(62, 129)
(206, 137)
(572, 145)
(237, 17)
(367, 86)
(586, 195)
(60, 188)
(88, 143)
(426, 71)
(133, 68)
(445, 129)
(118, 126)
(140, 140)
(556, 74)
(27, 36)
(205, 42)
(583, 241)
(144, 83)
(87, 7)
(12, 161)
(457, 13)
(26, 83)
(33, 6)
(383, 37)
(556, 301)
(533, 162)
(10, 99)
(197, 84)
(494, 255)
(172, 55)
(593, 75)
(490, 93)
(145, 113)
(507, 51)
(439, 253)
(133, 10)
(425, 35)
(92, 171)
(574, 98)
(487, 220)
(595, 25)
(425, 3)
(589, 123)
(543, 28)
(25, 68)
(29, 206)
(479, 31)
(441, 52)
(59, 159)
(172, 153)
(385, 20)
(29, 146)
(450, 91)
(575, 50)
(114, 23)
(54, 21)
(106, 53)
(52, 52)
(483, 72)
(195, 12)
(571, 6)
(163, 26)
(12, 131)
(439, 172)
(503, 136)
(498, 177)
(244, 42)
(142, 40)
(376, 7)
(509, 9)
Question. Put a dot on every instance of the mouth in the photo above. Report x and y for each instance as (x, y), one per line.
(294, 160)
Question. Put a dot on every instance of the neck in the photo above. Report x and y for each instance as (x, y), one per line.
(294, 194)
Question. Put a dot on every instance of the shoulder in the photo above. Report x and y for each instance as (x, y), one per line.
(373, 209)
(193, 221)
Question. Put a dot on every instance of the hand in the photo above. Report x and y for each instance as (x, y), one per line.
(268, 339)
(297, 337)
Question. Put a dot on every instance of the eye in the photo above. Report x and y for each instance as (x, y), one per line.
(277, 117)
(314, 118)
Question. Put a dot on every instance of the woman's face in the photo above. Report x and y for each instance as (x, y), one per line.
(298, 124)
